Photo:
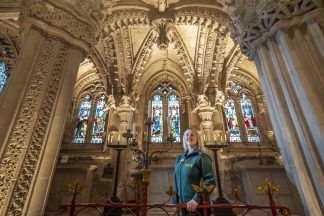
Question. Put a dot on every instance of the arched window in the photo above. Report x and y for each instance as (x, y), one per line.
(3, 75)
(249, 119)
(240, 118)
(80, 130)
(91, 120)
(165, 113)
(157, 116)
(232, 122)
(99, 121)
(174, 116)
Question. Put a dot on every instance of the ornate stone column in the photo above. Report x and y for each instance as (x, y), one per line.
(55, 35)
(285, 38)
(205, 112)
(125, 111)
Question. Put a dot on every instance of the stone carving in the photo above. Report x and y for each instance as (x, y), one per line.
(141, 58)
(125, 18)
(46, 78)
(110, 103)
(203, 101)
(183, 52)
(83, 30)
(220, 97)
(230, 65)
(271, 14)
(202, 16)
(125, 101)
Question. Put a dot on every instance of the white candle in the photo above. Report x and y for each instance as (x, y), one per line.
(130, 119)
(149, 109)
(134, 130)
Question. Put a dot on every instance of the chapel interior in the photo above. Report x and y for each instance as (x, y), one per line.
(78, 76)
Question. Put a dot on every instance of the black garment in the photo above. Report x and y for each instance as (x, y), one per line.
(199, 212)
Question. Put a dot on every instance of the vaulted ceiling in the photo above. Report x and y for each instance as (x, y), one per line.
(188, 38)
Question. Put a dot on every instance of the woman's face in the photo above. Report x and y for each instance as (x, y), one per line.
(191, 139)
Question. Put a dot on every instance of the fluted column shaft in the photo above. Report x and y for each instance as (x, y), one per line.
(287, 46)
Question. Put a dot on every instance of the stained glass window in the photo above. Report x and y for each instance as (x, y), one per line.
(157, 116)
(174, 116)
(249, 119)
(99, 121)
(232, 122)
(82, 121)
(3, 75)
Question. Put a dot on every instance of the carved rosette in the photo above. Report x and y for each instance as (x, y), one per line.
(257, 25)
(62, 20)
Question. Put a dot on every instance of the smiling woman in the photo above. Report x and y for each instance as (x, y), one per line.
(192, 166)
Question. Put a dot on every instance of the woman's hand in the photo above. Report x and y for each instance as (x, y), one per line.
(192, 205)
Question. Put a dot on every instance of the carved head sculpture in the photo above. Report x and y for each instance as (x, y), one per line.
(203, 100)
(162, 5)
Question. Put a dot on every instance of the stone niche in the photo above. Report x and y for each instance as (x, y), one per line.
(59, 193)
(160, 181)
(287, 195)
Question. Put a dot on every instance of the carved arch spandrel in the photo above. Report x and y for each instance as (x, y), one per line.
(182, 50)
(140, 59)
(229, 64)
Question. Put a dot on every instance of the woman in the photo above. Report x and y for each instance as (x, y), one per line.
(190, 167)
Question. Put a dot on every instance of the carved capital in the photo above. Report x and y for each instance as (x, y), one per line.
(63, 20)
(258, 20)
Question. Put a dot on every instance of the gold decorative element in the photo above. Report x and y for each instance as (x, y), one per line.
(202, 186)
(236, 191)
(170, 192)
(268, 187)
(146, 175)
(75, 187)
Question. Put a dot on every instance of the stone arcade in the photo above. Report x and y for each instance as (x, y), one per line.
(76, 74)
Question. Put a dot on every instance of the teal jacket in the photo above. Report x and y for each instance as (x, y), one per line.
(189, 169)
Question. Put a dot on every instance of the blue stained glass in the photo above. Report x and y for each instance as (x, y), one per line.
(170, 87)
(231, 122)
(157, 116)
(99, 121)
(82, 122)
(249, 119)
(174, 116)
(3, 75)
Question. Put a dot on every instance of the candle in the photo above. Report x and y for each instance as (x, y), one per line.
(118, 139)
(149, 108)
(134, 130)
(130, 119)
(109, 138)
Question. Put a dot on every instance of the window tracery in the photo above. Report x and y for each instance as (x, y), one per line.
(240, 117)
(3, 75)
(165, 113)
(91, 120)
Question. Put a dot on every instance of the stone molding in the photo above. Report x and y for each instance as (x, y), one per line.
(125, 18)
(141, 57)
(257, 26)
(203, 16)
(61, 20)
(179, 45)
(46, 78)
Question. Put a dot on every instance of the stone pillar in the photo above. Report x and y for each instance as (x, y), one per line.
(125, 111)
(285, 38)
(205, 113)
(55, 35)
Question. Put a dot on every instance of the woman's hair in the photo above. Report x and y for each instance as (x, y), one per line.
(184, 143)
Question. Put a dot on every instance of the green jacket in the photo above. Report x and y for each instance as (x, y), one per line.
(189, 169)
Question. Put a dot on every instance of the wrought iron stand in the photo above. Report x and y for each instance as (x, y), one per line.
(220, 199)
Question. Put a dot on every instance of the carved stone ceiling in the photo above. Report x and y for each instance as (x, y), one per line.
(197, 33)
